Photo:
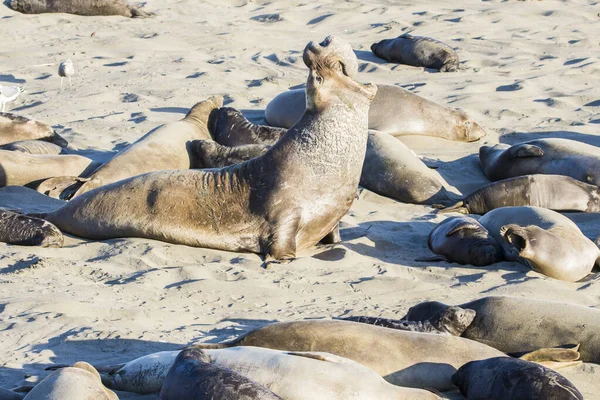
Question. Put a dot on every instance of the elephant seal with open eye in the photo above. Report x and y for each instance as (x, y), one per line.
(33, 147)
(23, 230)
(14, 128)
(78, 7)
(418, 51)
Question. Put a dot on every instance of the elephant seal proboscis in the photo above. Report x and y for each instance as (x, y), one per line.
(553, 156)
(23, 230)
(509, 379)
(33, 147)
(277, 204)
(394, 110)
(449, 321)
(546, 241)
(418, 51)
(15, 128)
(193, 377)
(79, 7)
(555, 192)
(163, 148)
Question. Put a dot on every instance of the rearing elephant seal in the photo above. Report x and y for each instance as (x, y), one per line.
(418, 51)
(78, 7)
(14, 128)
(277, 204)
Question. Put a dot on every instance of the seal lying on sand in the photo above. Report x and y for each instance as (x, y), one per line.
(418, 51)
(163, 148)
(78, 7)
(578, 160)
(394, 110)
(33, 147)
(28, 231)
(546, 241)
(14, 128)
(555, 192)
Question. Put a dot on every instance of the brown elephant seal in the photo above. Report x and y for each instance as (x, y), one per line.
(163, 148)
(465, 241)
(517, 325)
(231, 129)
(555, 192)
(79, 382)
(79, 7)
(33, 147)
(15, 128)
(23, 230)
(578, 160)
(193, 377)
(418, 51)
(277, 204)
(394, 110)
(449, 321)
(546, 241)
(503, 378)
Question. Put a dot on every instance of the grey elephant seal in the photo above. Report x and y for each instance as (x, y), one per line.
(14, 128)
(546, 241)
(508, 378)
(193, 377)
(517, 325)
(578, 160)
(277, 204)
(555, 192)
(23, 230)
(418, 51)
(394, 110)
(465, 241)
(33, 147)
(163, 148)
(449, 321)
(78, 7)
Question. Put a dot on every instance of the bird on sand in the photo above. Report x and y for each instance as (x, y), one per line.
(65, 69)
(9, 93)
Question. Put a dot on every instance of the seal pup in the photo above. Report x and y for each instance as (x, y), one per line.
(23, 230)
(33, 147)
(79, 7)
(394, 110)
(418, 51)
(544, 240)
(277, 204)
(15, 128)
(163, 148)
(193, 377)
(555, 192)
(508, 378)
(553, 156)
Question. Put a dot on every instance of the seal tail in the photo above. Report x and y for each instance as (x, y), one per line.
(62, 187)
(459, 207)
(59, 140)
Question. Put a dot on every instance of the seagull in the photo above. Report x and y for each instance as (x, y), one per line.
(9, 93)
(66, 69)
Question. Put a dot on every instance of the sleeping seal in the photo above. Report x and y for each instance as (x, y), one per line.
(14, 128)
(78, 7)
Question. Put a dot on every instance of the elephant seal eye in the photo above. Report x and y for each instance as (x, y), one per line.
(319, 79)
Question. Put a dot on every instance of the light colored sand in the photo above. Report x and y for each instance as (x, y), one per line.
(530, 69)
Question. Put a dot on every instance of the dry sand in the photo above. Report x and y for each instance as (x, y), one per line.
(529, 70)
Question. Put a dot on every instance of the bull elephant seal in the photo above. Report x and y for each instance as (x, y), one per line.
(546, 241)
(578, 160)
(555, 192)
(78, 7)
(193, 377)
(163, 148)
(508, 378)
(14, 128)
(394, 110)
(33, 147)
(418, 51)
(277, 204)
(518, 325)
(80, 382)
(23, 230)
(465, 241)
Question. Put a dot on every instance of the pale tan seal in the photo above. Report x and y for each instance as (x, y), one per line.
(33, 147)
(79, 7)
(15, 128)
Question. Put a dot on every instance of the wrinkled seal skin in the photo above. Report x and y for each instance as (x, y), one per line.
(78, 7)
(465, 241)
(418, 51)
(555, 192)
(517, 325)
(449, 321)
(163, 148)
(278, 204)
(545, 240)
(33, 147)
(394, 110)
(23, 230)
(578, 160)
(508, 379)
(193, 377)
(14, 128)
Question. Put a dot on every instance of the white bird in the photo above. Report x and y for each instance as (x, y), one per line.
(9, 93)
(65, 69)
